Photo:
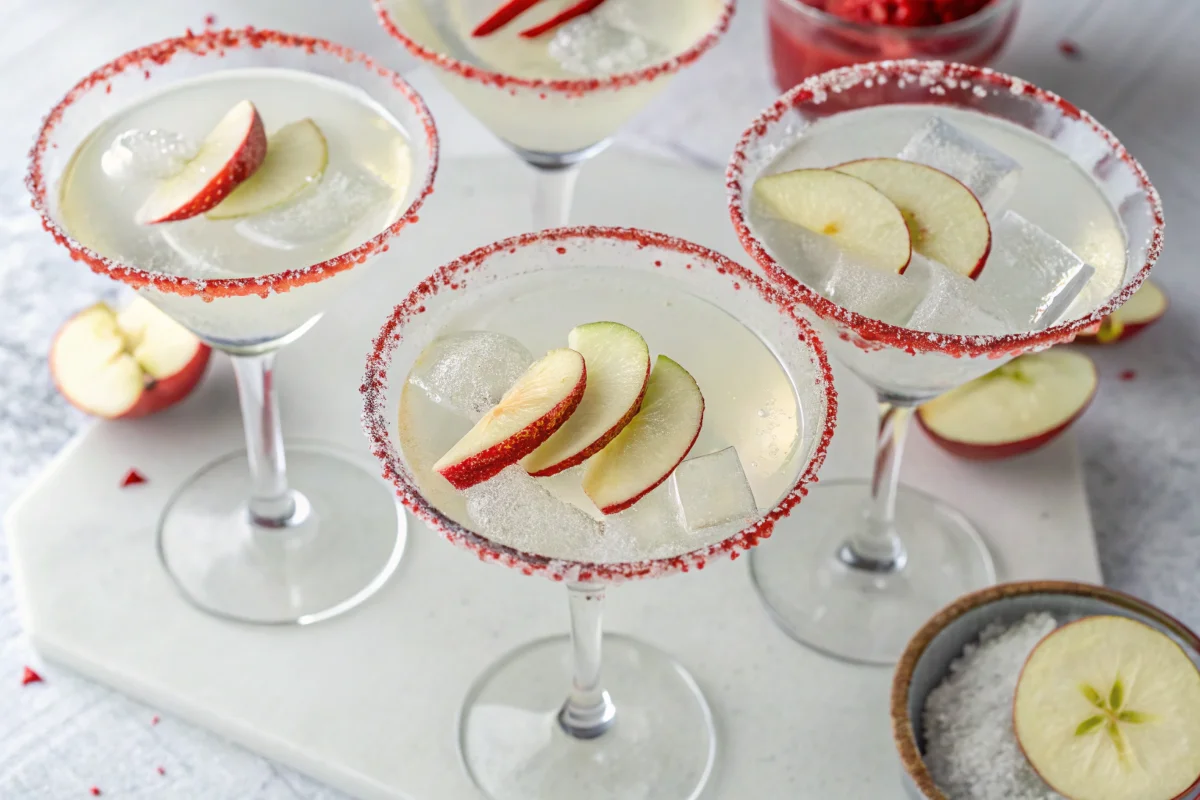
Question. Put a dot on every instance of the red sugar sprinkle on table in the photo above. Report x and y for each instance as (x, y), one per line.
(154, 720)
(132, 478)
(95, 791)
(162, 771)
(1069, 49)
(1127, 375)
(210, 20)
(29, 676)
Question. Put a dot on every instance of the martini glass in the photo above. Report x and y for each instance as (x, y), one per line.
(552, 116)
(248, 537)
(593, 715)
(875, 558)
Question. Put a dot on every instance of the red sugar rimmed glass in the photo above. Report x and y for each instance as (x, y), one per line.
(871, 544)
(251, 558)
(517, 736)
(805, 40)
(553, 124)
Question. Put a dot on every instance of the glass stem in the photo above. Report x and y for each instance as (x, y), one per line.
(588, 711)
(272, 504)
(876, 546)
(553, 191)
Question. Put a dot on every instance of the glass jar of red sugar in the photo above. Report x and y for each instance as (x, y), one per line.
(811, 36)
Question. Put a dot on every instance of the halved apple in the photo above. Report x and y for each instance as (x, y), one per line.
(1108, 708)
(857, 216)
(530, 412)
(229, 154)
(945, 220)
(1143, 309)
(127, 364)
(1014, 409)
(296, 157)
(618, 369)
(646, 452)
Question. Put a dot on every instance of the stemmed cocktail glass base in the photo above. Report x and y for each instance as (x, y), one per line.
(661, 742)
(854, 612)
(341, 543)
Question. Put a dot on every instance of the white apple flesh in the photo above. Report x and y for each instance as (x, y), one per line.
(618, 369)
(945, 220)
(655, 441)
(536, 406)
(229, 154)
(296, 158)
(854, 214)
(128, 364)
(1108, 708)
(1014, 409)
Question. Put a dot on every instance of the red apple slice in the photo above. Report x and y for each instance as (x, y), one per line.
(646, 452)
(618, 369)
(530, 412)
(128, 364)
(296, 157)
(1014, 409)
(1108, 708)
(1140, 311)
(945, 220)
(230, 154)
(852, 212)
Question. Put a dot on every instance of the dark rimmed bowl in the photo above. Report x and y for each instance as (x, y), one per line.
(942, 639)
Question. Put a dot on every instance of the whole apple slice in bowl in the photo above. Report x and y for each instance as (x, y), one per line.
(296, 158)
(1014, 409)
(528, 414)
(1145, 308)
(229, 154)
(945, 220)
(1108, 708)
(618, 368)
(652, 445)
(854, 214)
(122, 365)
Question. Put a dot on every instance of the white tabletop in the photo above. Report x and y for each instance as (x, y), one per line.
(1139, 72)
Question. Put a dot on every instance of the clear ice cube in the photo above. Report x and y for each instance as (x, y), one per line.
(146, 154)
(952, 303)
(469, 372)
(713, 490)
(515, 510)
(1031, 278)
(328, 210)
(877, 294)
(991, 174)
(591, 45)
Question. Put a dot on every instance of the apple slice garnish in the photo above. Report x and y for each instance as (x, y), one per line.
(1014, 409)
(945, 220)
(646, 452)
(1143, 309)
(858, 217)
(618, 369)
(505, 13)
(127, 364)
(296, 157)
(1108, 708)
(536, 406)
(230, 154)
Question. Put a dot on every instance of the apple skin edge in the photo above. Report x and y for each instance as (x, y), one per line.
(490, 462)
(616, 508)
(994, 452)
(162, 394)
(599, 444)
(1128, 331)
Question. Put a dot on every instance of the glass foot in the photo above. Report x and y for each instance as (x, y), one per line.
(347, 538)
(856, 615)
(661, 744)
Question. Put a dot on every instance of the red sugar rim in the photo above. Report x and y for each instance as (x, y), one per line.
(571, 86)
(872, 334)
(216, 42)
(449, 278)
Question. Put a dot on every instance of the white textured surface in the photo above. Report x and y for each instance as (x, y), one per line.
(1139, 440)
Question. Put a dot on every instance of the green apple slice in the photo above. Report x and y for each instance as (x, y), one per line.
(1108, 708)
(296, 157)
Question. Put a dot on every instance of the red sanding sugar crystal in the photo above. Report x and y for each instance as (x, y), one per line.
(29, 676)
(1069, 49)
(96, 791)
(154, 720)
(903, 13)
(162, 771)
(132, 478)
(1128, 375)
